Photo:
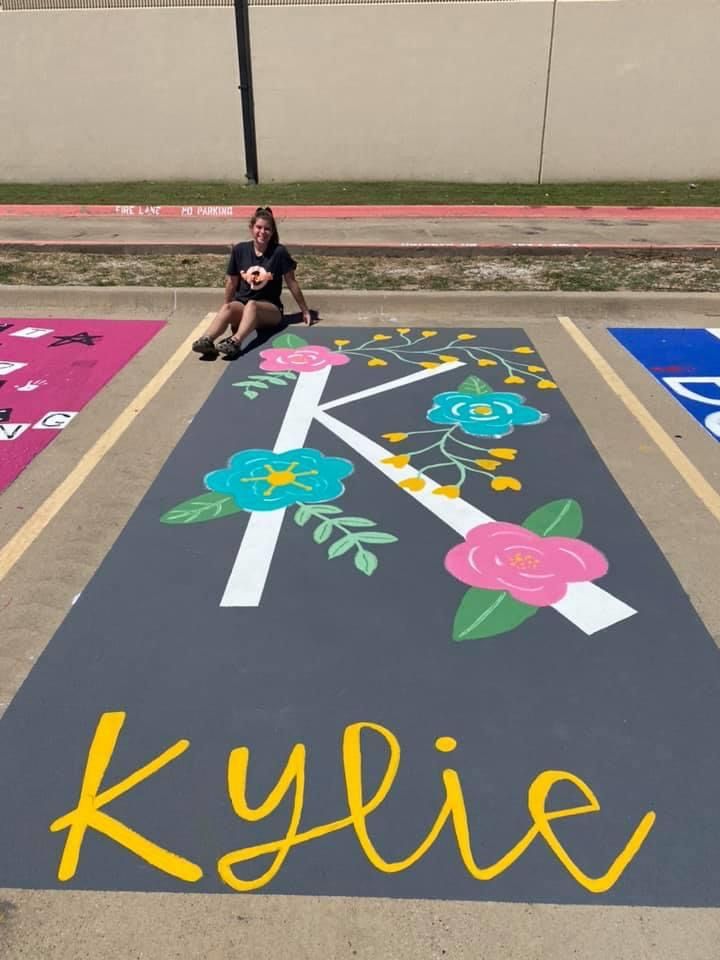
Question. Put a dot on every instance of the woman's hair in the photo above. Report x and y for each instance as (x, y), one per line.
(265, 213)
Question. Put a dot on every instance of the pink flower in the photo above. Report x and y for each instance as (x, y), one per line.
(535, 570)
(302, 359)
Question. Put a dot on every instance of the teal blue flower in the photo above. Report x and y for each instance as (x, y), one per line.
(263, 480)
(484, 415)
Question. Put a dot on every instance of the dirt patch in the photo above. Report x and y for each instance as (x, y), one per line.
(682, 274)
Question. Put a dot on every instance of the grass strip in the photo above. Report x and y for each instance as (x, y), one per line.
(589, 272)
(186, 192)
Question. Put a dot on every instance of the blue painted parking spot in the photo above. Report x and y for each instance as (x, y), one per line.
(686, 362)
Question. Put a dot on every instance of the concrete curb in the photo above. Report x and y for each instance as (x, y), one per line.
(160, 248)
(358, 307)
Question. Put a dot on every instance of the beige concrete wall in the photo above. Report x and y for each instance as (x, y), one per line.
(438, 91)
(119, 95)
(635, 91)
(427, 91)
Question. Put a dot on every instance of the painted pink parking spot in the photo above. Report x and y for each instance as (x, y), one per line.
(49, 370)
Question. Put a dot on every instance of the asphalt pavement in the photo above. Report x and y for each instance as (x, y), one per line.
(591, 230)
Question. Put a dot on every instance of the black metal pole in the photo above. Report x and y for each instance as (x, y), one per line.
(242, 28)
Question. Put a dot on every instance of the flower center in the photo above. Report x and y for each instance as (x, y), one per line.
(483, 410)
(523, 561)
(282, 478)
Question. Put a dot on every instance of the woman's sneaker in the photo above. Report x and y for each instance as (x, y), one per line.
(229, 348)
(205, 346)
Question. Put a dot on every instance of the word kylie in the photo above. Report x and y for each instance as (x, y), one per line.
(88, 814)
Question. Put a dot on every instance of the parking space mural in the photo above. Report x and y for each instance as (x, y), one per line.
(686, 361)
(384, 625)
(49, 370)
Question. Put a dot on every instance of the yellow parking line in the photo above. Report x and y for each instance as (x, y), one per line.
(684, 466)
(34, 526)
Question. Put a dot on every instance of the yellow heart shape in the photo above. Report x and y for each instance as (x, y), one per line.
(412, 483)
(449, 491)
(401, 460)
(505, 483)
(503, 453)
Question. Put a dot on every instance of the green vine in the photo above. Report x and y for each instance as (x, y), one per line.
(263, 381)
(331, 521)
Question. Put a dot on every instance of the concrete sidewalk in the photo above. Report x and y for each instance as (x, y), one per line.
(530, 234)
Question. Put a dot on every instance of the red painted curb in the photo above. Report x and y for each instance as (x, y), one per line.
(357, 212)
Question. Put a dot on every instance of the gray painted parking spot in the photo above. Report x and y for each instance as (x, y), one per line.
(429, 605)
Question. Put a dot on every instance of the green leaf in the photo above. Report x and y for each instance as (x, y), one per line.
(560, 518)
(264, 380)
(487, 613)
(357, 522)
(257, 384)
(243, 383)
(250, 394)
(207, 506)
(376, 536)
(475, 386)
(325, 509)
(322, 531)
(302, 515)
(366, 562)
(341, 546)
(289, 340)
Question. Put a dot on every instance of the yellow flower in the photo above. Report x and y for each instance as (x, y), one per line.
(401, 460)
(546, 385)
(523, 350)
(412, 483)
(377, 362)
(395, 437)
(487, 363)
(341, 343)
(505, 483)
(503, 453)
(429, 333)
(514, 379)
(450, 491)
(536, 369)
(488, 464)
(403, 329)
(466, 336)
(428, 364)
(381, 336)
(446, 358)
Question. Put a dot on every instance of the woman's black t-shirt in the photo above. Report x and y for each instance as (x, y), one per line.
(261, 277)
